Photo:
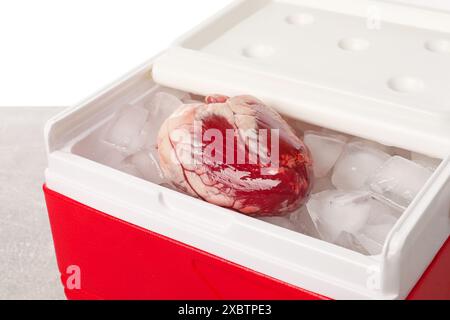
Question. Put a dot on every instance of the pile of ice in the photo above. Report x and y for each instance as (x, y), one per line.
(361, 189)
(128, 141)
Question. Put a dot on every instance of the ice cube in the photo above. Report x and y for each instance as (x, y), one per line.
(161, 106)
(353, 220)
(383, 213)
(358, 161)
(136, 128)
(147, 138)
(130, 169)
(399, 180)
(373, 238)
(303, 222)
(282, 222)
(322, 184)
(377, 233)
(146, 163)
(334, 212)
(94, 148)
(111, 158)
(126, 128)
(381, 221)
(349, 241)
(425, 161)
(325, 149)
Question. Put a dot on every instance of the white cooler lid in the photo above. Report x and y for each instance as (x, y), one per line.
(375, 69)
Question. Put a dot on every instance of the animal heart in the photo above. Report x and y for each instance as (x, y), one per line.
(237, 153)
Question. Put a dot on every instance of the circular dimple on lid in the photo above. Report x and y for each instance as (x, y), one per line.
(300, 19)
(438, 46)
(258, 51)
(354, 44)
(406, 84)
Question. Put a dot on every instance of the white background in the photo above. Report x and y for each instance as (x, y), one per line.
(57, 52)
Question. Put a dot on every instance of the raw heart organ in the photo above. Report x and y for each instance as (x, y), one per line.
(236, 153)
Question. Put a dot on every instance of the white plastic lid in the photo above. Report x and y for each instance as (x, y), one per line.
(370, 68)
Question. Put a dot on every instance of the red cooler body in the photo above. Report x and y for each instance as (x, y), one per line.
(92, 240)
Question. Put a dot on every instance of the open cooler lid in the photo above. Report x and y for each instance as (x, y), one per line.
(375, 69)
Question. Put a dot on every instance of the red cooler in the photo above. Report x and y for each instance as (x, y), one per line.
(372, 69)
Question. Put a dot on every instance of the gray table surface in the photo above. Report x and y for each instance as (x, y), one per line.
(27, 260)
